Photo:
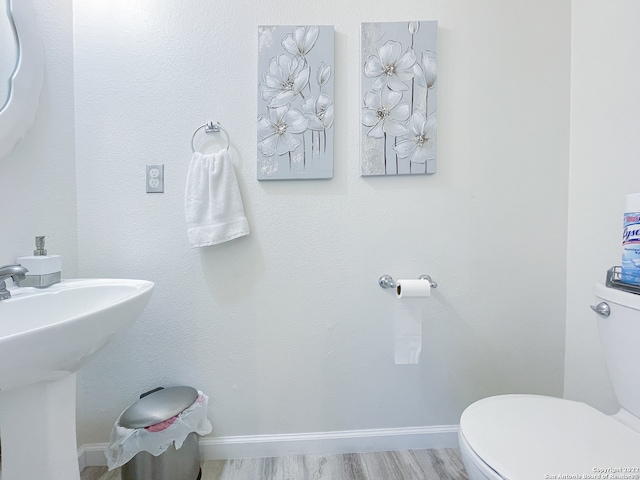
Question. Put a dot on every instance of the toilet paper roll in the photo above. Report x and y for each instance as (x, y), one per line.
(413, 288)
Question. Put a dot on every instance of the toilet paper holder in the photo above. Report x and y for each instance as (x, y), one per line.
(387, 281)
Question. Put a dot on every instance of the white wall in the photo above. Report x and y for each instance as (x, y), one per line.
(286, 329)
(605, 148)
(37, 180)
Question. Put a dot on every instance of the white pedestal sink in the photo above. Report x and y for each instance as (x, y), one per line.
(46, 335)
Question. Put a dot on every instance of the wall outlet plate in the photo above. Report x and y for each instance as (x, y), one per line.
(155, 178)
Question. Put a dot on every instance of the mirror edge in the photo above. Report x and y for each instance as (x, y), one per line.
(19, 113)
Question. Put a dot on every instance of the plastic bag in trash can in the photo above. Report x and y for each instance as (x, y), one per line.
(125, 443)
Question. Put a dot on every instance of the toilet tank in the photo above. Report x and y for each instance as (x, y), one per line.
(620, 339)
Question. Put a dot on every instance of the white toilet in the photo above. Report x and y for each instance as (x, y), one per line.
(521, 437)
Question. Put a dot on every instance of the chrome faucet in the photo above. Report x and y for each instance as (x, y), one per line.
(16, 272)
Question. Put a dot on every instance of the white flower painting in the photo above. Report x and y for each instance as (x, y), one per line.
(295, 102)
(398, 85)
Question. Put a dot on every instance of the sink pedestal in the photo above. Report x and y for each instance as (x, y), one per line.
(38, 428)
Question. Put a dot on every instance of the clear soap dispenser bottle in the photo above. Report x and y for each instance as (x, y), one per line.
(43, 269)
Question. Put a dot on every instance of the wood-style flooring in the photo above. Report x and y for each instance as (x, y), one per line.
(442, 464)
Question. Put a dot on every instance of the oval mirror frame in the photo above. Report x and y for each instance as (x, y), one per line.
(19, 112)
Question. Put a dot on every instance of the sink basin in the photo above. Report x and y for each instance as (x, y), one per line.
(46, 336)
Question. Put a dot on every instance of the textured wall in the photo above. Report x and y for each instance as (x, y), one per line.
(286, 329)
(37, 179)
(605, 148)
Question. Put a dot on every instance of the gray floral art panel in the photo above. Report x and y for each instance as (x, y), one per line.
(295, 102)
(398, 87)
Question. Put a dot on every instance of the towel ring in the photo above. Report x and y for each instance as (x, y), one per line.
(210, 127)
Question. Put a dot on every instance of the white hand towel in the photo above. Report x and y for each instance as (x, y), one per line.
(212, 200)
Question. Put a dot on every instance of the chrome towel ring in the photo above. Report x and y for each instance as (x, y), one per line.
(210, 127)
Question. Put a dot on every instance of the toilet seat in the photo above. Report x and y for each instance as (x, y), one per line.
(474, 465)
(530, 436)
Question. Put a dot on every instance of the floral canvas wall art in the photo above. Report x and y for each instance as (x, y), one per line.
(295, 102)
(398, 87)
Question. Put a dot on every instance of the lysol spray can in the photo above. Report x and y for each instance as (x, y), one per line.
(631, 240)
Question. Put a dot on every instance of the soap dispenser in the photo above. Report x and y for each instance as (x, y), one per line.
(43, 269)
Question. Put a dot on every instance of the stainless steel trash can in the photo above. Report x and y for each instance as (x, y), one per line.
(172, 464)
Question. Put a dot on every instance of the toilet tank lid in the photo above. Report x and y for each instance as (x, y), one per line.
(530, 436)
(158, 407)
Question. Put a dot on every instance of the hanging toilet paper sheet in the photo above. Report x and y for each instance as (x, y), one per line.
(125, 443)
(408, 320)
(408, 331)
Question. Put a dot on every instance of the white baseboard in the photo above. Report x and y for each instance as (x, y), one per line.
(92, 455)
(324, 443)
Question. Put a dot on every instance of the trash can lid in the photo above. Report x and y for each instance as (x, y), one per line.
(158, 407)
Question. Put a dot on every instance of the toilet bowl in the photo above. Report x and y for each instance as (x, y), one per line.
(522, 437)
